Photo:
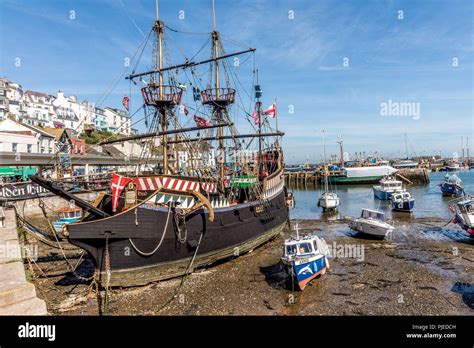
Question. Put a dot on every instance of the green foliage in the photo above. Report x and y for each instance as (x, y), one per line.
(98, 136)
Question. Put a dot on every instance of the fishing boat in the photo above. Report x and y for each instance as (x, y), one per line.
(67, 216)
(464, 214)
(402, 201)
(193, 213)
(361, 175)
(328, 200)
(452, 185)
(386, 187)
(371, 222)
(305, 257)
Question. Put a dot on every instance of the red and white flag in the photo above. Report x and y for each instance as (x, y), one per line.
(126, 102)
(271, 111)
(118, 184)
(256, 117)
(202, 122)
(185, 110)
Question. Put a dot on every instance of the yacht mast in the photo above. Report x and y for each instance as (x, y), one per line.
(406, 145)
(341, 149)
(325, 171)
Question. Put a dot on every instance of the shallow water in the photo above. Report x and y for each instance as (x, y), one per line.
(429, 201)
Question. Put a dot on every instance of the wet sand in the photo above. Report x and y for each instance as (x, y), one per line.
(424, 269)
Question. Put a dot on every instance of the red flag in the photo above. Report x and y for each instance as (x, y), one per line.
(126, 102)
(185, 110)
(118, 184)
(256, 117)
(271, 111)
(201, 122)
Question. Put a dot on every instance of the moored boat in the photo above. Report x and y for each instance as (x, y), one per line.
(402, 201)
(371, 222)
(67, 216)
(464, 214)
(328, 200)
(386, 187)
(362, 175)
(452, 185)
(305, 257)
(194, 212)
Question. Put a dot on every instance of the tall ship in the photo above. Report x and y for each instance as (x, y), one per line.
(218, 192)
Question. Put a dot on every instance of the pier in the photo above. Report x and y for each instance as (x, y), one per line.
(17, 295)
(310, 179)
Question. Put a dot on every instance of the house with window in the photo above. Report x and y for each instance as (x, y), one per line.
(23, 138)
(68, 113)
(11, 99)
(39, 109)
(118, 121)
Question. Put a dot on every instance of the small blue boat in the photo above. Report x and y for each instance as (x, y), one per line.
(305, 257)
(386, 187)
(67, 216)
(402, 201)
(451, 186)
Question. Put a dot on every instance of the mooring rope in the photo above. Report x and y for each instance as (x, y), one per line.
(161, 240)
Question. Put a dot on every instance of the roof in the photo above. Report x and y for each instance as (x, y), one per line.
(38, 94)
(118, 112)
(55, 132)
(38, 130)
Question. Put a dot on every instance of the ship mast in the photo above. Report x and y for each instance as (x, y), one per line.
(158, 58)
(220, 131)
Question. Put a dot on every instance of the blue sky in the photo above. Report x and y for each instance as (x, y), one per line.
(300, 62)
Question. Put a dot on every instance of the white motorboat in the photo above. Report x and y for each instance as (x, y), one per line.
(464, 215)
(371, 222)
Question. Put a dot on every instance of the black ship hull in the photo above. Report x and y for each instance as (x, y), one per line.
(131, 239)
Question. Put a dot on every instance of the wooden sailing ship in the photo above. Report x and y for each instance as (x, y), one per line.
(164, 225)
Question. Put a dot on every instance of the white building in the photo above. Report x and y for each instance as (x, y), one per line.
(20, 138)
(68, 113)
(11, 99)
(39, 109)
(118, 121)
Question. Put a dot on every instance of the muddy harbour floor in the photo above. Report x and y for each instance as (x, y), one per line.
(424, 269)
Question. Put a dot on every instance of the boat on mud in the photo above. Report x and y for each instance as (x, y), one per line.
(464, 215)
(195, 212)
(305, 258)
(371, 222)
(67, 216)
